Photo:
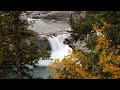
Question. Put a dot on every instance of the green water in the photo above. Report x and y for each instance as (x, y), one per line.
(41, 72)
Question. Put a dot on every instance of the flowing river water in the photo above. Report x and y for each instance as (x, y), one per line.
(59, 49)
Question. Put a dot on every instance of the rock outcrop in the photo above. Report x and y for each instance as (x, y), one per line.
(42, 43)
(58, 15)
(79, 45)
(68, 41)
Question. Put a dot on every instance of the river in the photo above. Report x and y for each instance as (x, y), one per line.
(59, 49)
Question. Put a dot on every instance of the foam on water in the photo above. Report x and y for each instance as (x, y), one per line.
(59, 49)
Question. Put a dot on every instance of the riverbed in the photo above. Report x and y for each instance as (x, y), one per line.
(47, 26)
(59, 49)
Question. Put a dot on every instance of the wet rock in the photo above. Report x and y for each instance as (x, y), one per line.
(79, 45)
(69, 42)
(43, 43)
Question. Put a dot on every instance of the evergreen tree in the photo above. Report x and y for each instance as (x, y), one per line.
(103, 61)
(16, 47)
(83, 27)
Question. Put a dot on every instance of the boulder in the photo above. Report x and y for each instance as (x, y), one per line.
(79, 45)
(69, 42)
(43, 43)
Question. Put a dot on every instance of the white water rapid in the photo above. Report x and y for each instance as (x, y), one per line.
(46, 27)
(59, 49)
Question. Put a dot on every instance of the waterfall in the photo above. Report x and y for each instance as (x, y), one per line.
(59, 49)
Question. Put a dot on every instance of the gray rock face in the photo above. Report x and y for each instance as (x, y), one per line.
(79, 14)
(69, 42)
(42, 43)
(58, 15)
(79, 45)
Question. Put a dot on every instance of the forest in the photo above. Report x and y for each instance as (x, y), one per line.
(67, 45)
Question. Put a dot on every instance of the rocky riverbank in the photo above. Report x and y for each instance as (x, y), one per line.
(47, 26)
(79, 45)
(57, 15)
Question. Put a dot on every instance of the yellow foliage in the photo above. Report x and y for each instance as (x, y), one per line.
(70, 67)
(76, 64)
(103, 43)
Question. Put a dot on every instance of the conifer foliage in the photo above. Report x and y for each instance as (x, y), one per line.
(103, 61)
(16, 48)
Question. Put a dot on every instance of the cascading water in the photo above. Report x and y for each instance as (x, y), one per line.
(59, 49)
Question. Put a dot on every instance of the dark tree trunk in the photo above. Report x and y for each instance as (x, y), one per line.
(16, 29)
(18, 63)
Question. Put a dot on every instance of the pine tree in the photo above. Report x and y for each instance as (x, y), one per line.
(16, 46)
